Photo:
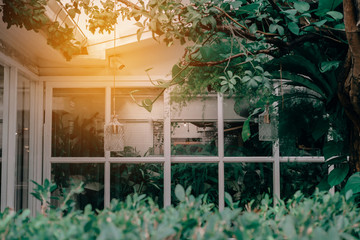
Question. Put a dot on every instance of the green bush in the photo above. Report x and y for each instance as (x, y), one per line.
(319, 217)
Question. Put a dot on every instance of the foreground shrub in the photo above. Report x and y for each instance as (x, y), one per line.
(319, 217)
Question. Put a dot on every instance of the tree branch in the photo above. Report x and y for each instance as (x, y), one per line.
(242, 26)
(130, 4)
(214, 63)
(275, 6)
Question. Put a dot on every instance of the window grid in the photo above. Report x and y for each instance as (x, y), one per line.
(167, 159)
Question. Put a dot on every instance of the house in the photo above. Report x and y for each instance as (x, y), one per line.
(53, 113)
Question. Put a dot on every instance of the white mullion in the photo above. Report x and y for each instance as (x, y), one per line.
(305, 159)
(5, 134)
(221, 180)
(11, 140)
(107, 166)
(77, 160)
(167, 149)
(32, 144)
(39, 160)
(47, 133)
(248, 159)
(137, 160)
(276, 171)
(194, 159)
(332, 189)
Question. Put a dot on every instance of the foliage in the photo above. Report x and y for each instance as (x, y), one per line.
(82, 139)
(31, 15)
(141, 178)
(67, 175)
(318, 217)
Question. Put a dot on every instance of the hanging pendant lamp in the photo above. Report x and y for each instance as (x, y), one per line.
(267, 126)
(114, 135)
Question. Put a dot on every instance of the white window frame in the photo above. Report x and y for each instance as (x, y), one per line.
(167, 159)
(11, 71)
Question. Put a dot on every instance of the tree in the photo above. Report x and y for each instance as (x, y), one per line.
(238, 46)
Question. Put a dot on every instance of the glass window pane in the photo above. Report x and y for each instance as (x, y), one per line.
(248, 181)
(143, 129)
(300, 141)
(202, 177)
(194, 128)
(22, 142)
(142, 178)
(235, 114)
(91, 174)
(301, 176)
(78, 122)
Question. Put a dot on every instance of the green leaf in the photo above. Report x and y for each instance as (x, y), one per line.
(303, 66)
(320, 23)
(337, 175)
(298, 79)
(206, 52)
(324, 185)
(319, 234)
(329, 65)
(336, 160)
(336, 15)
(320, 129)
(301, 6)
(340, 26)
(280, 30)
(228, 199)
(332, 149)
(289, 227)
(245, 134)
(139, 32)
(353, 183)
(177, 73)
(224, 88)
(249, 8)
(147, 104)
(180, 193)
(273, 27)
(163, 18)
(294, 28)
(72, 12)
(139, 24)
(236, 4)
(328, 4)
(53, 187)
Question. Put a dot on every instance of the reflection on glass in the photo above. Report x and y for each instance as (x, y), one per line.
(194, 138)
(142, 178)
(78, 122)
(301, 176)
(194, 127)
(91, 174)
(236, 111)
(143, 129)
(202, 177)
(22, 143)
(248, 181)
(236, 146)
(1, 116)
(301, 141)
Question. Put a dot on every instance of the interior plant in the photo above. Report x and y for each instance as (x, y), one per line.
(80, 140)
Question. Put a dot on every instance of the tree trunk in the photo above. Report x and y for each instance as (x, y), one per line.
(354, 150)
(349, 85)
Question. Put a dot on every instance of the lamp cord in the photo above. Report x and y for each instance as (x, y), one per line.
(114, 69)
